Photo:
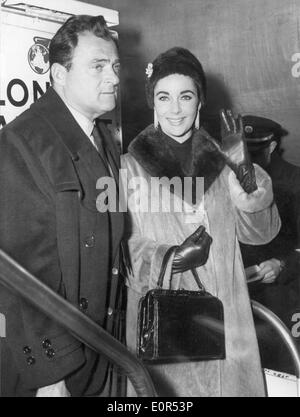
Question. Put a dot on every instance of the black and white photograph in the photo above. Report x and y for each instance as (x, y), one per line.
(149, 201)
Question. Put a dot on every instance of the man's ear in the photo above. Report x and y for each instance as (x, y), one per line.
(58, 73)
(273, 145)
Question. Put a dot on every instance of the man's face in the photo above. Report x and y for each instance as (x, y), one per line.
(91, 84)
(262, 156)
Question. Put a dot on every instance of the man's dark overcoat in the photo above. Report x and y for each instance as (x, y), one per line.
(49, 223)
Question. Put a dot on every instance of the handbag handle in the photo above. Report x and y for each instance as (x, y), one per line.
(164, 265)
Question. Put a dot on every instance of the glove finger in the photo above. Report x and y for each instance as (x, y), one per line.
(207, 253)
(197, 234)
(207, 248)
(240, 124)
(206, 240)
(224, 122)
(232, 121)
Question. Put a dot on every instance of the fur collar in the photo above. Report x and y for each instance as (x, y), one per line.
(154, 154)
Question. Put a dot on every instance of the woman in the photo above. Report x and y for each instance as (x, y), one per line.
(238, 205)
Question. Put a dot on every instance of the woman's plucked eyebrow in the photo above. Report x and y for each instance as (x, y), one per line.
(181, 92)
(162, 92)
(188, 91)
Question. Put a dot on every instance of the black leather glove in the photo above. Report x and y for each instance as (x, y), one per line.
(235, 150)
(193, 252)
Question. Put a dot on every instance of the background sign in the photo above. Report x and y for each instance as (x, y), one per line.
(24, 61)
(24, 74)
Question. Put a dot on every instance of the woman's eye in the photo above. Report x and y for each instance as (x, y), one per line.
(187, 98)
(163, 98)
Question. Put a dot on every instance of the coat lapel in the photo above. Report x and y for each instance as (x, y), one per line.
(113, 153)
(51, 107)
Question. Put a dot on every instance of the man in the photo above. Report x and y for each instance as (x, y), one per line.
(278, 261)
(51, 157)
(263, 137)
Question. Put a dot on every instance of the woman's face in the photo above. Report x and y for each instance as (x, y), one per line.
(176, 103)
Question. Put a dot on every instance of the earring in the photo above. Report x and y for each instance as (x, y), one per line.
(197, 121)
(155, 120)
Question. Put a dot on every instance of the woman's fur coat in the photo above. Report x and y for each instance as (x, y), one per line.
(229, 215)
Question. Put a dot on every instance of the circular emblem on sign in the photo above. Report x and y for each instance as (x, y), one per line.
(248, 129)
(38, 56)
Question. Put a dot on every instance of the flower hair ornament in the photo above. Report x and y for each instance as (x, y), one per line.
(149, 70)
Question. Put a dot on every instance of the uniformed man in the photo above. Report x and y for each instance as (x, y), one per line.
(263, 141)
(278, 285)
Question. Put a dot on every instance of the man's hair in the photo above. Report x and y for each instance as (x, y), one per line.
(65, 40)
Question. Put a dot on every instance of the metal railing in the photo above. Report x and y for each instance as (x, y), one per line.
(267, 315)
(16, 278)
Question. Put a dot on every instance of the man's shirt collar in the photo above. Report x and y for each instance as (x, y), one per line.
(86, 125)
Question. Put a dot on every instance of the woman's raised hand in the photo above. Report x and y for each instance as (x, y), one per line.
(235, 150)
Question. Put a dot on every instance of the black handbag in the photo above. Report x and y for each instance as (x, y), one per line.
(180, 325)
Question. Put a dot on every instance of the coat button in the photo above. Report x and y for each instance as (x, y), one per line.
(30, 361)
(115, 271)
(89, 241)
(26, 350)
(84, 304)
(50, 353)
(46, 344)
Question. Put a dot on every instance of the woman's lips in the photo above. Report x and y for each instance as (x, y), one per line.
(176, 122)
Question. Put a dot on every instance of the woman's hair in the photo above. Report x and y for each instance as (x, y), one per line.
(65, 40)
(176, 60)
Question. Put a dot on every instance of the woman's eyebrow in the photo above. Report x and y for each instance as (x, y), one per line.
(187, 91)
(162, 92)
(181, 92)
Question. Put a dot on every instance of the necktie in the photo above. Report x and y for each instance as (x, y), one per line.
(100, 147)
(107, 159)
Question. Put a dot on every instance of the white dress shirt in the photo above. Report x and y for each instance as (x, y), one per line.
(86, 124)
